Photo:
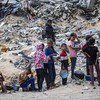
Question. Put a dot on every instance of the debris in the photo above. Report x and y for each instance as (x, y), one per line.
(85, 88)
(3, 48)
(17, 33)
(78, 82)
(82, 92)
(94, 87)
(90, 32)
(87, 4)
(79, 74)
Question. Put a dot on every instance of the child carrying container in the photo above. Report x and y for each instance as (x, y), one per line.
(64, 63)
(73, 51)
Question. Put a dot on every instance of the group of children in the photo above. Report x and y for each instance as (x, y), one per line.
(45, 67)
(45, 58)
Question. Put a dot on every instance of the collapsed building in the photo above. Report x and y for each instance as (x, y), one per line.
(23, 24)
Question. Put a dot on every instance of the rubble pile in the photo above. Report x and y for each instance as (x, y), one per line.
(18, 33)
(68, 12)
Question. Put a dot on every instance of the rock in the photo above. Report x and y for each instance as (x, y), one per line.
(78, 83)
(3, 48)
(90, 4)
(90, 32)
(94, 87)
(82, 92)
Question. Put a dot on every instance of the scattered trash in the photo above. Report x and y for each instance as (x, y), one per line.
(78, 82)
(85, 88)
(79, 74)
(94, 87)
(89, 79)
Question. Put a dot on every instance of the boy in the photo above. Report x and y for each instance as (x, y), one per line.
(88, 37)
(93, 60)
(25, 80)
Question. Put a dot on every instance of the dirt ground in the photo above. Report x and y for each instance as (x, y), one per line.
(69, 92)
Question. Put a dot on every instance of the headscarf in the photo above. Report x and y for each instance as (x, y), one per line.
(39, 46)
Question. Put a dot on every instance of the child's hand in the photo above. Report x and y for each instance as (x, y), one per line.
(46, 61)
(54, 54)
(88, 55)
(58, 58)
(96, 63)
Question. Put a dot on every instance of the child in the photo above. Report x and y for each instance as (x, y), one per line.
(25, 80)
(64, 61)
(93, 59)
(49, 51)
(2, 84)
(46, 74)
(73, 52)
(88, 37)
(39, 58)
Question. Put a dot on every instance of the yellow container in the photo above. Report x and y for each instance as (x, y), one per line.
(69, 60)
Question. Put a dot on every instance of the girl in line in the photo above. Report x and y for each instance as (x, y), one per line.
(73, 51)
(50, 51)
(39, 59)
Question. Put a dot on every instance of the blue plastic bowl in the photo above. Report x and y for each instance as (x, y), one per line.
(63, 73)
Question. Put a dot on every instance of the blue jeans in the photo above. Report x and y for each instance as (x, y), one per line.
(29, 81)
(73, 64)
(52, 72)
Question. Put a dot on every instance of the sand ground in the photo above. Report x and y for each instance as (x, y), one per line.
(69, 92)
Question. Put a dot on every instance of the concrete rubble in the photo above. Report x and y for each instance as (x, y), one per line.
(18, 34)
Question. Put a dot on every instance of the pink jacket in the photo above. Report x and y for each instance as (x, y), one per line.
(39, 57)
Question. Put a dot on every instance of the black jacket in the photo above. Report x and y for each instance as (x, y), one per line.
(50, 32)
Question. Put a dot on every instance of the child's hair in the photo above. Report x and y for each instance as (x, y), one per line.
(50, 40)
(63, 45)
(29, 70)
(49, 21)
(43, 45)
(91, 41)
(88, 37)
(71, 35)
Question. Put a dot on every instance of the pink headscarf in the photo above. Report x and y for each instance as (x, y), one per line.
(39, 46)
(39, 56)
